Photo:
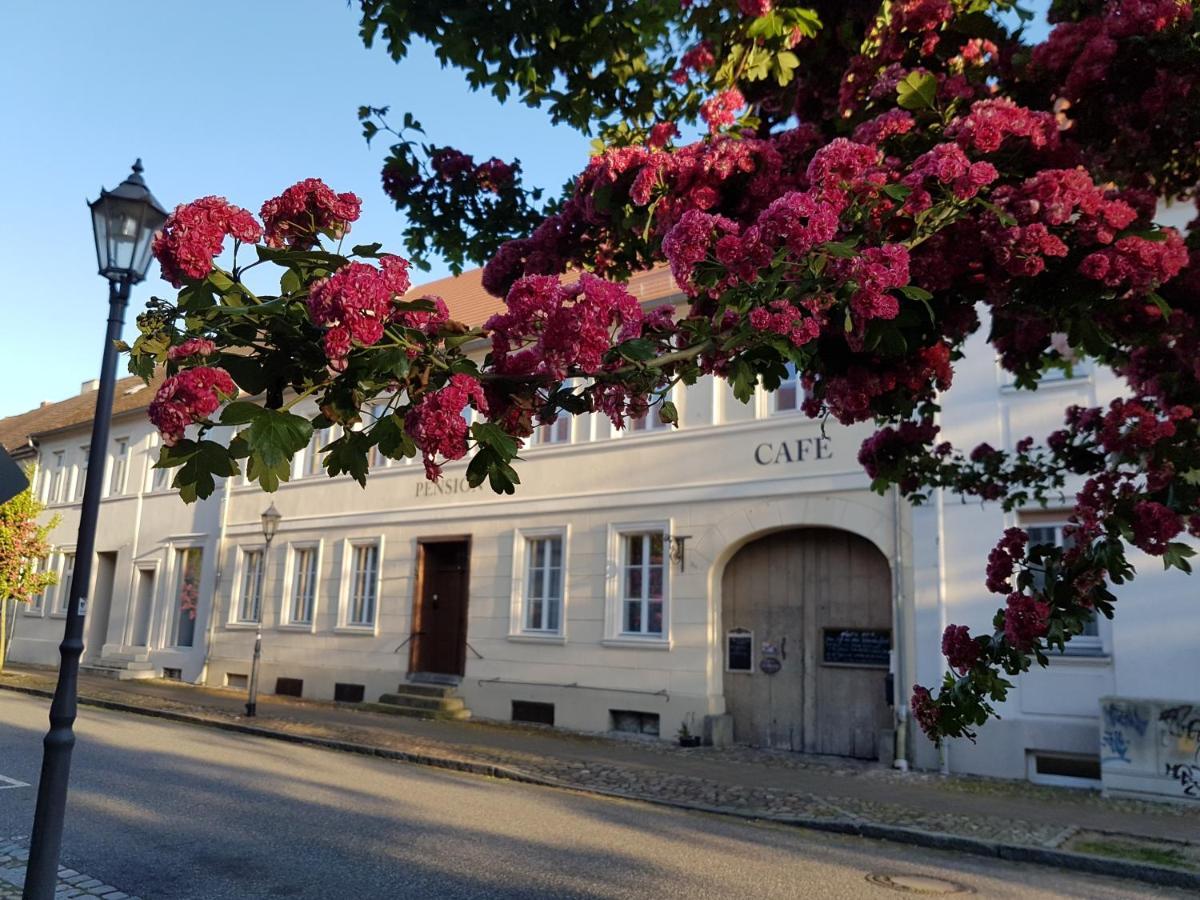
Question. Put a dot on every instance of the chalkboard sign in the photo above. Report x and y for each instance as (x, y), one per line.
(856, 647)
(739, 651)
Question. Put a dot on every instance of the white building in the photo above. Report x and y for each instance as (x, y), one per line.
(735, 572)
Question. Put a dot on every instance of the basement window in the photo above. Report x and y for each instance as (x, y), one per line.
(529, 711)
(173, 674)
(1064, 769)
(632, 721)
(348, 693)
(289, 687)
(234, 680)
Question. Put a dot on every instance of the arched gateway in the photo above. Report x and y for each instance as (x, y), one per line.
(806, 616)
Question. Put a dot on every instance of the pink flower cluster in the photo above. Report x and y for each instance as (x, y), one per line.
(550, 328)
(355, 304)
(1135, 265)
(436, 422)
(720, 111)
(799, 324)
(945, 165)
(989, 123)
(1026, 619)
(189, 397)
(194, 234)
(889, 124)
(696, 59)
(925, 709)
(875, 271)
(960, 649)
(661, 134)
(192, 347)
(754, 8)
(306, 210)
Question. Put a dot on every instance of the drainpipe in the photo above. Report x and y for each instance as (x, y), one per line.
(899, 658)
(223, 515)
(943, 747)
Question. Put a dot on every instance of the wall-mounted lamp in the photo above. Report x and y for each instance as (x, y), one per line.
(678, 548)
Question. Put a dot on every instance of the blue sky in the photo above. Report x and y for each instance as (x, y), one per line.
(239, 99)
(217, 97)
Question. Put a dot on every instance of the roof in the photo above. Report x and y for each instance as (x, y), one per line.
(471, 304)
(16, 431)
(464, 295)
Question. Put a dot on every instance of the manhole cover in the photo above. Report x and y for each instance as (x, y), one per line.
(919, 884)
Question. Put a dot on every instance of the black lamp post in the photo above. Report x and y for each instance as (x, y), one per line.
(125, 221)
(270, 524)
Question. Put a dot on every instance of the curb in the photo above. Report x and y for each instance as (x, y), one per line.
(1080, 862)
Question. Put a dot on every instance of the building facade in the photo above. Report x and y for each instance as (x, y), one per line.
(732, 576)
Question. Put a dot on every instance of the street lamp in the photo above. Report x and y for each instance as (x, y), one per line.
(125, 221)
(270, 524)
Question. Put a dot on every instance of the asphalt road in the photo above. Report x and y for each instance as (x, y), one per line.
(168, 811)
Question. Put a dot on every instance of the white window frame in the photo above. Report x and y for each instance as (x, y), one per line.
(547, 435)
(38, 609)
(614, 612)
(346, 586)
(118, 468)
(171, 608)
(238, 596)
(154, 476)
(1082, 646)
(81, 469)
(61, 592)
(56, 483)
(517, 629)
(290, 583)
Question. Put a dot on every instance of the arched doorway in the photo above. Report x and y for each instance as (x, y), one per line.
(806, 619)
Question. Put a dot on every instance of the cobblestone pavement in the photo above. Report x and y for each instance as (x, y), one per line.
(766, 784)
(71, 884)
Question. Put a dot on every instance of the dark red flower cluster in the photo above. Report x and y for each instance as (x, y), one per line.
(1026, 620)
(946, 165)
(550, 327)
(306, 210)
(925, 709)
(989, 123)
(661, 134)
(889, 124)
(194, 234)
(696, 59)
(189, 397)
(799, 324)
(960, 649)
(449, 164)
(1003, 558)
(755, 8)
(1155, 526)
(888, 452)
(1135, 265)
(436, 422)
(355, 304)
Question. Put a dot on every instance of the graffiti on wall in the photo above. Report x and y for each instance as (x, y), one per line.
(1124, 725)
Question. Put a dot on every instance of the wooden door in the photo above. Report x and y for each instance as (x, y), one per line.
(816, 604)
(440, 615)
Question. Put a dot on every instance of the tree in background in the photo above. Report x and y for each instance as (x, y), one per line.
(23, 551)
(872, 183)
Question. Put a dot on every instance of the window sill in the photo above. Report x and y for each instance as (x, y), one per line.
(33, 613)
(1080, 659)
(296, 626)
(361, 630)
(242, 626)
(638, 643)
(533, 637)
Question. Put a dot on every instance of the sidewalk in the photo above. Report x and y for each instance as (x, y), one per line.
(1153, 841)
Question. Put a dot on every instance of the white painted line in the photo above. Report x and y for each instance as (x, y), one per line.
(6, 783)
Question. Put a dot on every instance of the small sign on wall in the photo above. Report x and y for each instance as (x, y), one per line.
(869, 648)
(770, 665)
(739, 651)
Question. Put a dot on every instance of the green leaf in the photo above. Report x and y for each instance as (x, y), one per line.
(912, 292)
(274, 438)
(916, 91)
(206, 461)
(248, 372)
(897, 191)
(668, 413)
(290, 282)
(840, 249)
(240, 412)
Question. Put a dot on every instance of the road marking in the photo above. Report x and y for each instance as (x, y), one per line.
(6, 783)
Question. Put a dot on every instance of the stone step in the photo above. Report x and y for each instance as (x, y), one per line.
(118, 671)
(417, 712)
(420, 701)
(428, 690)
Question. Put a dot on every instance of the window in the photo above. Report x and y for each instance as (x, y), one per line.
(120, 466)
(643, 572)
(303, 599)
(311, 459)
(160, 479)
(249, 606)
(648, 421)
(1089, 643)
(379, 411)
(56, 477)
(65, 578)
(543, 583)
(789, 396)
(363, 586)
(556, 432)
(36, 603)
(81, 472)
(187, 595)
